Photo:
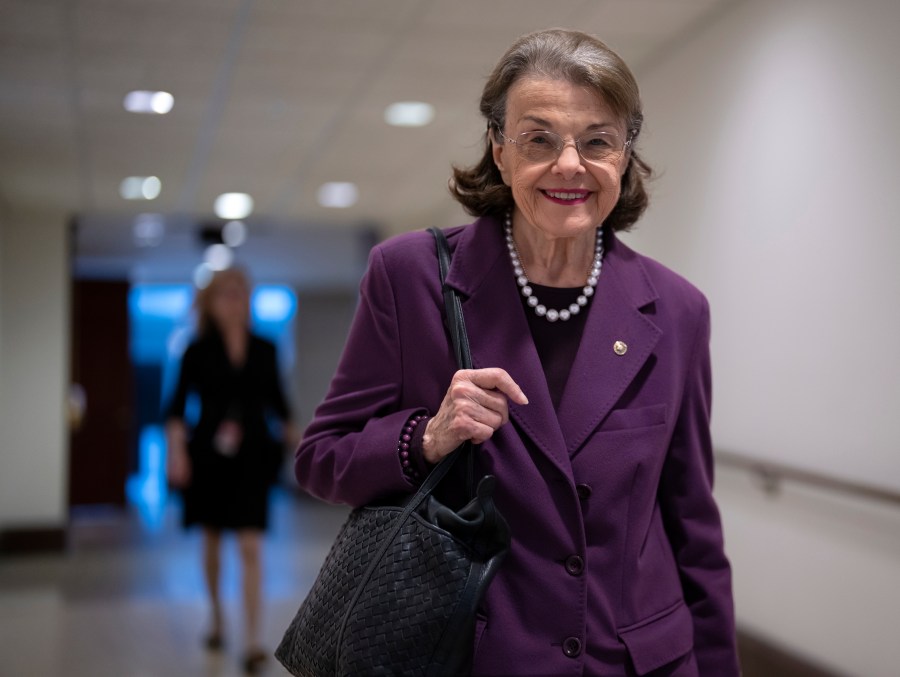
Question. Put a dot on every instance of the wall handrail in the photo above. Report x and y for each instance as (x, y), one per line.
(773, 473)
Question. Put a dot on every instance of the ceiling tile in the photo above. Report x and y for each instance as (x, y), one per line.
(273, 97)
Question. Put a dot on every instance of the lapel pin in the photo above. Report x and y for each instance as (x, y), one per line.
(620, 348)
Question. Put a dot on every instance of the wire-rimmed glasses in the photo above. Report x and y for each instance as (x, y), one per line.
(544, 146)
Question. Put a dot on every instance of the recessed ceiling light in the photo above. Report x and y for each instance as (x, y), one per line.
(233, 206)
(140, 188)
(409, 114)
(218, 256)
(143, 101)
(338, 194)
(234, 233)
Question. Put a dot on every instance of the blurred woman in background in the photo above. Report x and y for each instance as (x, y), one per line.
(226, 461)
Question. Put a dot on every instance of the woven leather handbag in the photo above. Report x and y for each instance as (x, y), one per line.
(398, 591)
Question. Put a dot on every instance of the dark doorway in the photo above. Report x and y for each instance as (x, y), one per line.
(100, 448)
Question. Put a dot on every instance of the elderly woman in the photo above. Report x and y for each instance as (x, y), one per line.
(590, 394)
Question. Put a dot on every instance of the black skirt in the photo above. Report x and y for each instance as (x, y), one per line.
(231, 492)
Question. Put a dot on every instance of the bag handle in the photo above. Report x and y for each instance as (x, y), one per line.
(451, 302)
(460, 340)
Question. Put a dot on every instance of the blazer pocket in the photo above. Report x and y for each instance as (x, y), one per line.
(661, 639)
(643, 417)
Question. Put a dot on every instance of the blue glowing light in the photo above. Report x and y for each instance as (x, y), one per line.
(273, 303)
(163, 301)
(147, 489)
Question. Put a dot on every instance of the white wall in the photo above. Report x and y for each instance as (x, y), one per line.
(34, 364)
(323, 320)
(775, 130)
(4, 223)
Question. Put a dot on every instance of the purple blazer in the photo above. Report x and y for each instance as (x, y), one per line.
(617, 564)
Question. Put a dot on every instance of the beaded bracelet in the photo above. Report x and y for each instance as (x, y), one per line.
(403, 447)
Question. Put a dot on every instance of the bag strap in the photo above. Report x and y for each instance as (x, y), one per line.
(452, 303)
(460, 342)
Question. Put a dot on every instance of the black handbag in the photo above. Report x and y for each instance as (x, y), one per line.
(398, 591)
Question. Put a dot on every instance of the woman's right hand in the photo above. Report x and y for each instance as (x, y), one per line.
(178, 462)
(178, 467)
(476, 404)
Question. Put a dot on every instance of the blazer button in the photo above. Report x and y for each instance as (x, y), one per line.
(584, 491)
(574, 565)
(572, 647)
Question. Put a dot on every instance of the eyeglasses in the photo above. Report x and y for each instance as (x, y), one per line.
(543, 146)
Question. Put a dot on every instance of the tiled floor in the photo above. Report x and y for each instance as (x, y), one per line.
(127, 600)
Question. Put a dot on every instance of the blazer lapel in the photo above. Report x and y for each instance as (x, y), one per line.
(617, 341)
(498, 330)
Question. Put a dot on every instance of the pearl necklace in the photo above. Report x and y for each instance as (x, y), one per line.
(532, 300)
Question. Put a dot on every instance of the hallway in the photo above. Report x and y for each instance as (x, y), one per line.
(127, 599)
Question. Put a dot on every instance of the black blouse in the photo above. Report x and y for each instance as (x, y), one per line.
(556, 342)
(250, 393)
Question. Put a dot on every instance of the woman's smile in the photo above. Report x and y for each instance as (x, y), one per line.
(567, 197)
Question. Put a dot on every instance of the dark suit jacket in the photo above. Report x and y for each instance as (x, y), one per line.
(617, 564)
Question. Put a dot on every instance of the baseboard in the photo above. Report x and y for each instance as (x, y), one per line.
(761, 657)
(29, 540)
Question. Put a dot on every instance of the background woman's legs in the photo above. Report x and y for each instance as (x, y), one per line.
(250, 545)
(212, 541)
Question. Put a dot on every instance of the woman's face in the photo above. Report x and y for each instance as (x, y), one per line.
(565, 197)
(230, 302)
